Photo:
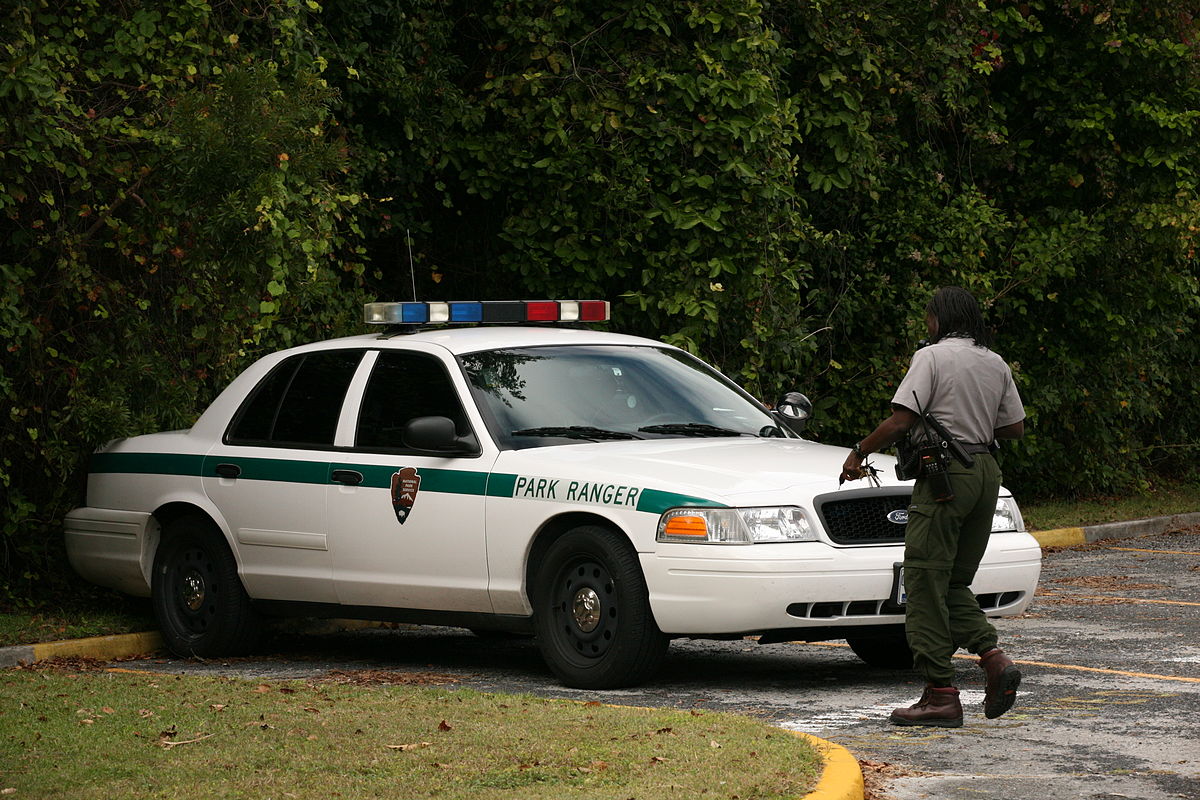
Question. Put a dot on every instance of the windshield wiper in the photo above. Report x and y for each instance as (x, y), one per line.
(576, 432)
(691, 429)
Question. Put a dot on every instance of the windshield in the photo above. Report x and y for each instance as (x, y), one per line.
(552, 395)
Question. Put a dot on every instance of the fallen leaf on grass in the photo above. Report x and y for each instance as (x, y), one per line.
(168, 744)
(445, 726)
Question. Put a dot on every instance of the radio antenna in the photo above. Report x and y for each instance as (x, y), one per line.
(412, 270)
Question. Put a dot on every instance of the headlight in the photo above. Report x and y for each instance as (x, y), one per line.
(1007, 516)
(735, 525)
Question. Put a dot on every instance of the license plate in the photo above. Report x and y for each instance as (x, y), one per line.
(899, 595)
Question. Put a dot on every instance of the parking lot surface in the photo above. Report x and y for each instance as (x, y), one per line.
(1109, 706)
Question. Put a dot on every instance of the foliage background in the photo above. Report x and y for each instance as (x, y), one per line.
(775, 186)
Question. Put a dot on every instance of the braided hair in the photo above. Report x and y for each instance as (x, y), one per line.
(957, 313)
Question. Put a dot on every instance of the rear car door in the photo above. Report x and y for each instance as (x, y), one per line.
(269, 475)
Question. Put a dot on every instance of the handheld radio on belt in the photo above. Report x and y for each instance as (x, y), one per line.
(932, 459)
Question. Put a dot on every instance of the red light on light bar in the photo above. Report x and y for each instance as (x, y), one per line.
(593, 310)
(541, 311)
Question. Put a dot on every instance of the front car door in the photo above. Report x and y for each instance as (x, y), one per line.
(405, 526)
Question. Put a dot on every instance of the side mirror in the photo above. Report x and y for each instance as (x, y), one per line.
(794, 411)
(436, 434)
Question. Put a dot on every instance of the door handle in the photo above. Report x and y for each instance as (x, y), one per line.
(228, 470)
(347, 476)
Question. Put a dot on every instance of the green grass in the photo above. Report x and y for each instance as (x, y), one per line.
(93, 614)
(1161, 499)
(103, 734)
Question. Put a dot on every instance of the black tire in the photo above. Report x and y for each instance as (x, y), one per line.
(887, 651)
(591, 612)
(199, 601)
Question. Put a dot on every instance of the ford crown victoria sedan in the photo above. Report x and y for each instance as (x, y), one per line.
(604, 492)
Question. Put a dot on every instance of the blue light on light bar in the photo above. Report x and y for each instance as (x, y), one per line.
(466, 312)
(495, 311)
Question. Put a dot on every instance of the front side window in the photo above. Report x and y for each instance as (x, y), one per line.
(549, 395)
(404, 386)
(298, 403)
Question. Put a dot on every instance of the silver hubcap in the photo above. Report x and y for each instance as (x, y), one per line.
(586, 609)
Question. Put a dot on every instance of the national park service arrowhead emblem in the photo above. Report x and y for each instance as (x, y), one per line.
(405, 485)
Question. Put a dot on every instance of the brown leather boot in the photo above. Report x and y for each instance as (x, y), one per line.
(1003, 678)
(938, 707)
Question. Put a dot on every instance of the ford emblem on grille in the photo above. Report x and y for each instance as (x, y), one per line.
(899, 516)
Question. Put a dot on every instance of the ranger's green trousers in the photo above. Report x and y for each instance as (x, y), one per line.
(943, 545)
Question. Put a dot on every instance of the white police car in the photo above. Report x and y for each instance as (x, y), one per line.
(604, 492)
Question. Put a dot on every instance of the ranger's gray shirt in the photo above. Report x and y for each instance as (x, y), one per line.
(968, 389)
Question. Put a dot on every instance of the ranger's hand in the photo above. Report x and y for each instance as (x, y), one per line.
(855, 468)
(852, 469)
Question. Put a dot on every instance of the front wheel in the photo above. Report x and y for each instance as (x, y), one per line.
(592, 612)
(198, 599)
(889, 651)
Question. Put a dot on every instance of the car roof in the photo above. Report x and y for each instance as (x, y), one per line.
(461, 340)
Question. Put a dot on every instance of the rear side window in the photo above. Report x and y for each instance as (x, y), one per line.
(298, 403)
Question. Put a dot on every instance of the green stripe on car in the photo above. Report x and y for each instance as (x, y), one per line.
(446, 481)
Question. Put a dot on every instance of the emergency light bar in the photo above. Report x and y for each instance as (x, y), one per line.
(487, 311)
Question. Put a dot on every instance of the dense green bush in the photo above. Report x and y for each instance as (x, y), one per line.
(1044, 156)
(172, 199)
(776, 186)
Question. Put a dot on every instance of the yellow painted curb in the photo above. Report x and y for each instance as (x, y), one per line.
(102, 647)
(841, 779)
(1060, 537)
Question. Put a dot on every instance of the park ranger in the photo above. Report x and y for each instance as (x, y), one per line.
(960, 386)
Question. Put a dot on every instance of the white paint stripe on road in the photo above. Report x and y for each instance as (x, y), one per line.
(834, 720)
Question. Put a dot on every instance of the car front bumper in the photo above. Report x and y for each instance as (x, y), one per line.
(713, 589)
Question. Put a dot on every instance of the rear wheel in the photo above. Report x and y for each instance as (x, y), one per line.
(592, 612)
(888, 651)
(198, 599)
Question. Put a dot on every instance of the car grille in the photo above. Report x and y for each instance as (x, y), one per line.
(861, 516)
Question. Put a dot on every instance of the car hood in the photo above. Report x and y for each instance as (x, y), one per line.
(726, 471)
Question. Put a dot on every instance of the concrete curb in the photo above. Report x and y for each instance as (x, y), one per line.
(1066, 537)
(841, 777)
(101, 647)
